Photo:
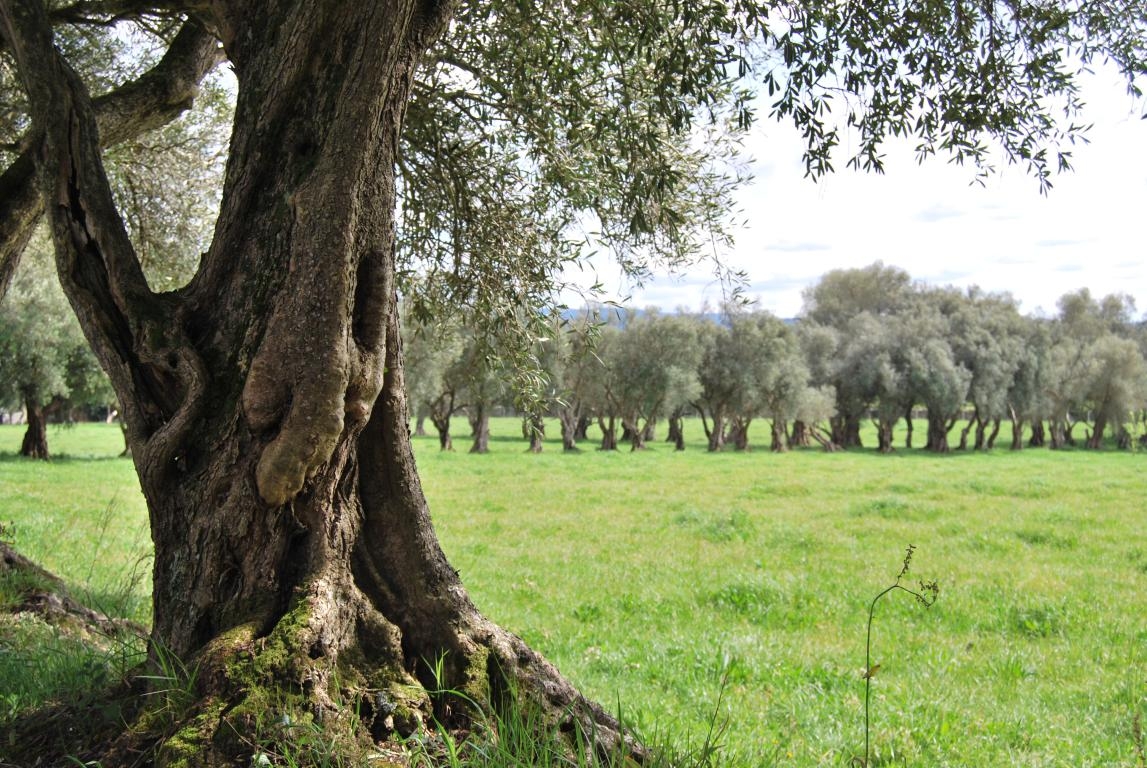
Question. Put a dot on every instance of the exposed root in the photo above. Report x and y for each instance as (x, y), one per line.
(45, 596)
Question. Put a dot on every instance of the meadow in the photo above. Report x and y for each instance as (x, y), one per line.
(678, 585)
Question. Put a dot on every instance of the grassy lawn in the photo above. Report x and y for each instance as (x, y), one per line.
(648, 578)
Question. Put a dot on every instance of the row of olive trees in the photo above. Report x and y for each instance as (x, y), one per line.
(889, 347)
(870, 345)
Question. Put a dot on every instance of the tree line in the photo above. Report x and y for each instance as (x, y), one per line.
(870, 345)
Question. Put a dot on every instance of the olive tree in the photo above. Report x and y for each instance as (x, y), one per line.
(265, 399)
(39, 338)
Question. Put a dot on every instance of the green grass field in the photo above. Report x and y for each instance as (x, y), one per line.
(648, 578)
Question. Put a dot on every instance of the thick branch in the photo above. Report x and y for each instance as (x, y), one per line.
(157, 97)
(20, 209)
(130, 330)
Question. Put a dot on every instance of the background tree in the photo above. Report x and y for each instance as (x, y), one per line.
(842, 294)
(783, 384)
(602, 392)
(718, 375)
(479, 376)
(1116, 387)
(818, 343)
(887, 366)
(839, 300)
(1027, 395)
(39, 338)
(938, 381)
(653, 370)
(575, 368)
(1078, 328)
(431, 352)
(986, 341)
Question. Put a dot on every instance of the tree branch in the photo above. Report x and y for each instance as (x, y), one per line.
(155, 98)
(130, 329)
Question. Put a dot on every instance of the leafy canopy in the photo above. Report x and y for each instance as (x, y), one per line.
(539, 134)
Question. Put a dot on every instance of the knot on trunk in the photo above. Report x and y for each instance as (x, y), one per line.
(298, 384)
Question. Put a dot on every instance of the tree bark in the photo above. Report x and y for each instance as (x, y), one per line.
(884, 435)
(846, 430)
(1123, 439)
(824, 440)
(634, 431)
(440, 412)
(981, 426)
(608, 433)
(677, 431)
(35, 442)
(779, 436)
(1069, 429)
(570, 423)
(536, 431)
(1039, 434)
(265, 401)
(995, 433)
(442, 427)
(938, 428)
(480, 429)
(1095, 439)
(582, 430)
(800, 436)
(968, 427)
(739, 433)
(716, 433)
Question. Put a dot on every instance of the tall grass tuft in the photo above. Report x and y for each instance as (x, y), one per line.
(926, 596)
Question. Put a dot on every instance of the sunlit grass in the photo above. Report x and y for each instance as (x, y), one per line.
(648, 577)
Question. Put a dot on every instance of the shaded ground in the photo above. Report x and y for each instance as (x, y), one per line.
(36, 610)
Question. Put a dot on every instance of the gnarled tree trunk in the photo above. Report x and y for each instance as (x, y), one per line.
(265, 401)
(1095, 439)
(778, 434)
(995, 433)
(608, 427)
(480, 429)
(535, 427)
(581, 432)
(938, 428)
(35, 442)
(715, 432)
(634, 432)
(570, 422)
(1017, 432)
(846, 430)
(440, 412)
(738, 433)
(884, 434)
(677, 430)
(1039, 434)
(800, 435)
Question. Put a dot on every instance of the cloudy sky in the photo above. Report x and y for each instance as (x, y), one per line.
(933, 222)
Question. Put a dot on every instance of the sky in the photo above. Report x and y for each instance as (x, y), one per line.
(936, 224)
